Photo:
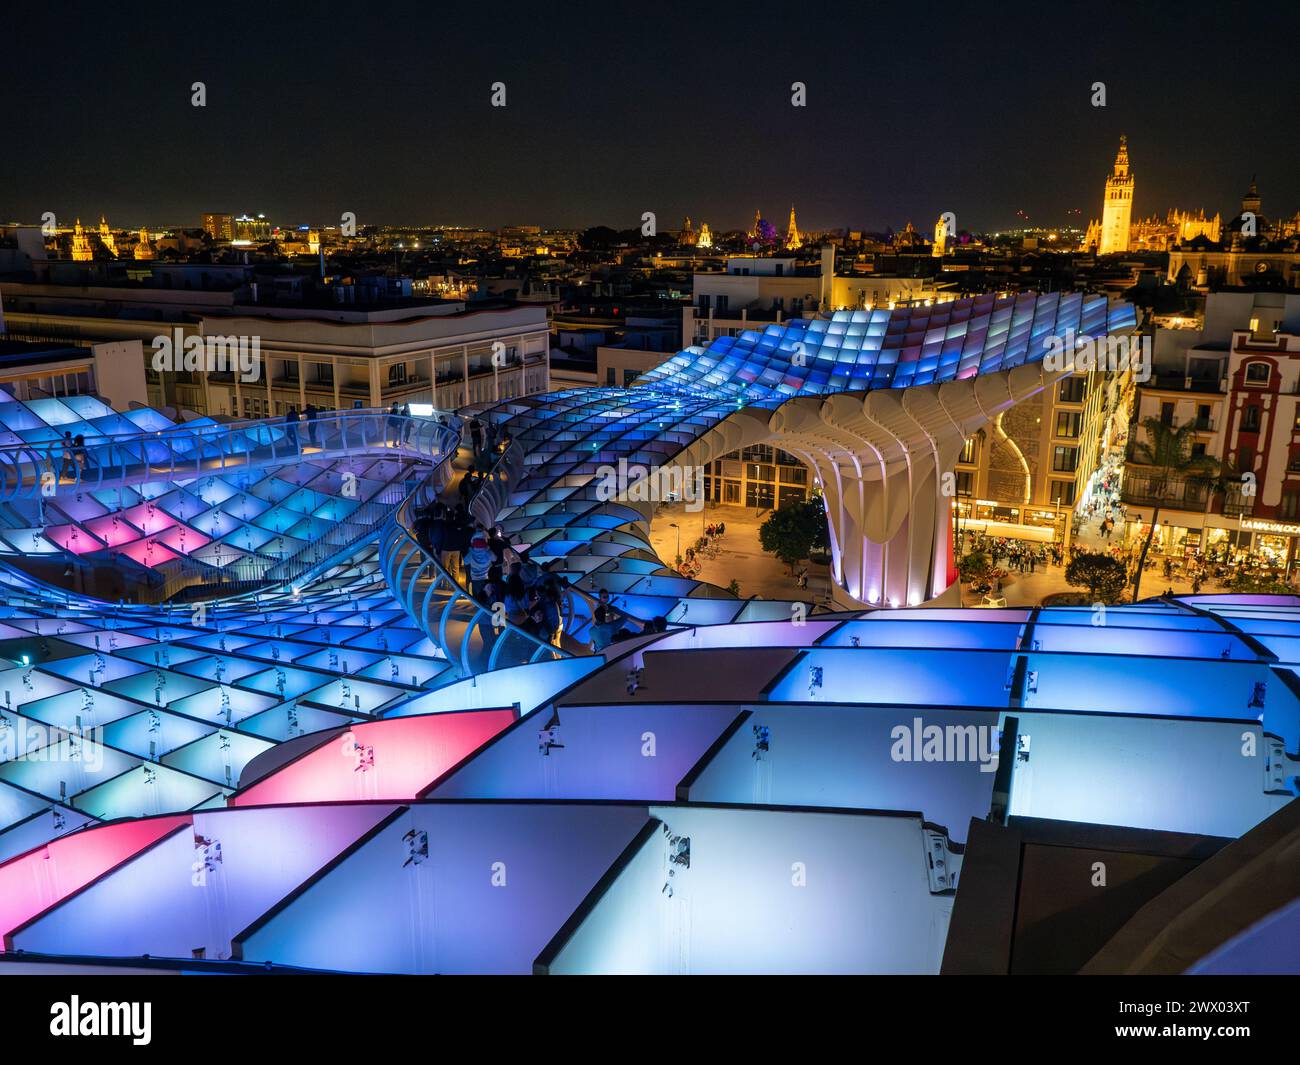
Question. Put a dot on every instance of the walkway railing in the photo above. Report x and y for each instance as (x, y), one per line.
(474, 637)
(31, 471)
(181, 453)
(578, 609)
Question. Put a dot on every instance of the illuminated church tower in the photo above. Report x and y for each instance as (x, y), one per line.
(792, 237)
(706, 237)
(758, 220)
(940, 238)
(144, 248)
(81, 245)
(106, 236)
(1117, 208)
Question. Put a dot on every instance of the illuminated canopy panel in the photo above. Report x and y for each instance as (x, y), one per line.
(877, 402)
(305, 747)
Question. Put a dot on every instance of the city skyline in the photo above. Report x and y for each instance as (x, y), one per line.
(315, 120)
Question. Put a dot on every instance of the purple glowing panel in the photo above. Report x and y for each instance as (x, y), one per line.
(199, 887)
(478, 888)
(618, 752)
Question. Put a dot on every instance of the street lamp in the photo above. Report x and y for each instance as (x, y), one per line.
(674, 525)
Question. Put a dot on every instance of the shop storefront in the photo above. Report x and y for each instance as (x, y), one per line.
(1274, 542)
(1039, 524)
(1270, 543)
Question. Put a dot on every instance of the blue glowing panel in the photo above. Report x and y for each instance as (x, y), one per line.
(1143, 772)
(767, 891)
(936, 762)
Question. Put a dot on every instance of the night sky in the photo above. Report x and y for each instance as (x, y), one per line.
(612, 109)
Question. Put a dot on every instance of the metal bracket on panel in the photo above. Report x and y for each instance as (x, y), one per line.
(416, 842)
(1279, 767)
(679, 859)
(942, 864)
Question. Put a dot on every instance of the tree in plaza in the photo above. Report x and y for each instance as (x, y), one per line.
(974, 566)
(792, 532)
(1167, 452)
(1260, 583)
(1102, 575)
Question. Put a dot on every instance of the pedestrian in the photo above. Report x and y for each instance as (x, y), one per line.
(602, 630)
(478, 561)
(312, 411)
(291, 426)
(67, 456)
(394, 436)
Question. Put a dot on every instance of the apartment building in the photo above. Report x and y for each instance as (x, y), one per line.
(1237, 381)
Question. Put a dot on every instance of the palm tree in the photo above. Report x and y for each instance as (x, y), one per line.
(1167, 450)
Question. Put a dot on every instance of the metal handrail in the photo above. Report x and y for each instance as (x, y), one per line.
(44, 470)
(480, 641)
(433, 439)
(494, 495)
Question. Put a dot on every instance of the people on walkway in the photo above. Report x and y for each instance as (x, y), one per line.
(478, 560)
(291, 426)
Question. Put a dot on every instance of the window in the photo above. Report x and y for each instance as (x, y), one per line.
(968, 451)
(1063, 493)
(965, 483)
(1289, 505)
(1250, 419)
(1068, 423)
(1071, 390)
(1203, 416)
(609, 375)
(397, 374)
(1257, 373)
(289, 370)
(1166, 414)
(325, 373)
(1065, 459)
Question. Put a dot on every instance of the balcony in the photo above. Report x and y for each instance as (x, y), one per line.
(1194, 494)
(1169, 382)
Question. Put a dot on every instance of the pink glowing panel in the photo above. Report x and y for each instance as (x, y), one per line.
(394, 759)
(183, 539)
(73, 539)
(113, 530)
(150, 518)
(149, 552)
(33, 882)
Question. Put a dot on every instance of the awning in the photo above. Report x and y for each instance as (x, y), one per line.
(1013, 530)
